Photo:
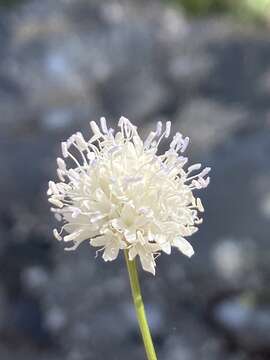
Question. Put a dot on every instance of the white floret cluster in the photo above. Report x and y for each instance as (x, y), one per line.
(119, 193)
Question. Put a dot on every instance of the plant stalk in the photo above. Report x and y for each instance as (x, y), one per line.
(139, 307)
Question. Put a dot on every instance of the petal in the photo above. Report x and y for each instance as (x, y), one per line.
(130, 236)
(77, 243)
(132, 253)
(117, 224)
(148, 263)
(111, 252)
(80, 235)
(99, 241)
(72, 236)
(147, 260)
(163, 244)
(166, 247)
(138, 144)
(128, 214)
(141, 221)
(122, 245)
(153, 247)
(184, 246)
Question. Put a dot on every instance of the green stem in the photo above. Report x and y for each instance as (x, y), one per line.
(139, 307)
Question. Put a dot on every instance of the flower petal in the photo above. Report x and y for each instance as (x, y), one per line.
(111, 251)
(132, 252)
(148, 263)
(99, 241)
(184, 246)
(166, 247)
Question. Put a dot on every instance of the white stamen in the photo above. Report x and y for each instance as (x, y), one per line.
(82, 144)
(168, 129)
(149, 139)
(205, 172)
(60, 174)
(103, 125)
(73, 174)
(95, 128)
(58, 217)
(72, 236)
(159, 128)
(64, 149)
(53, 188)
(184, 144)
(56, 202)
(200, 205)
(97, 217)
(193, 168)
(57, 235)
(61, 164)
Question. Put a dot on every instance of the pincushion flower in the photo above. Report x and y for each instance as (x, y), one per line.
(117, 192)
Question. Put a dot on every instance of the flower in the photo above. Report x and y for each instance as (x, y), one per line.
(119, 193)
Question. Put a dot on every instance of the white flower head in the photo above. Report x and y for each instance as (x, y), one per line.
(119, 193)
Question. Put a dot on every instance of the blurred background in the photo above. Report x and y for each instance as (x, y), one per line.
(204, 65)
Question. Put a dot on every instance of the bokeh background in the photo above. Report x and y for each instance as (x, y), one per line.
(204, 65)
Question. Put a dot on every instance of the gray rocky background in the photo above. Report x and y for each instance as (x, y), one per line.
(65, 62)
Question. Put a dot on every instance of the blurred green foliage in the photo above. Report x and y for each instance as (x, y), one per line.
(254, 9)
(245, 9)
(258, 10)
(203, 7)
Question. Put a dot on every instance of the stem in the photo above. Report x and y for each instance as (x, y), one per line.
(139, 307)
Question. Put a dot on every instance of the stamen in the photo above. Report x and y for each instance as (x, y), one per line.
(159, 128)
(193, 168)
(72, 236)
(61, 164)
(95, 128)
(64, 149)
(60, 174)
(81, 143)
(57, 235)
(149, 139)
(56, 202)
(103, 125)
(168, 129)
